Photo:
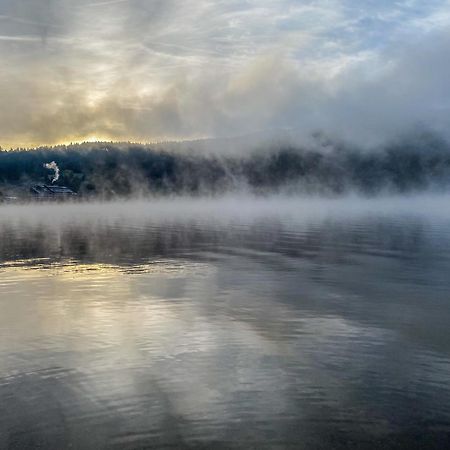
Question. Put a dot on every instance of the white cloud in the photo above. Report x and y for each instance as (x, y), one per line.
(155, 69)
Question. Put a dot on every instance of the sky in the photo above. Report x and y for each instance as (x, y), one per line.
(156, 70)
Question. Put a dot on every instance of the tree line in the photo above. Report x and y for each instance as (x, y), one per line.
(108, 169)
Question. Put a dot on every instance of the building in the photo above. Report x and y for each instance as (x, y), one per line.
(51, 192)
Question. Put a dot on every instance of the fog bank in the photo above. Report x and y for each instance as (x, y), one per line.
(413, 163)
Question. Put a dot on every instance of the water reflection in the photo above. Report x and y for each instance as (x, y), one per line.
(276, 332)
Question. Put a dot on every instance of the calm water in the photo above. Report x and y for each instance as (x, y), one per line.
(305, 324)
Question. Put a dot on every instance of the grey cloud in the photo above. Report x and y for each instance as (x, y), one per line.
(32, 17)
(152, 69)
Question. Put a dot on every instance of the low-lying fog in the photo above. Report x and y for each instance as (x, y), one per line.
(219, 209)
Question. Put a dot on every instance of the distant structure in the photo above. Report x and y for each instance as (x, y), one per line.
(51, 192)
(7, 198)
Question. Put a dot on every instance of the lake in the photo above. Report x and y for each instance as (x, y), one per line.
(271, 323)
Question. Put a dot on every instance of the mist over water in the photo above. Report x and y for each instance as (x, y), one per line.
(235, 323)
(257, 164)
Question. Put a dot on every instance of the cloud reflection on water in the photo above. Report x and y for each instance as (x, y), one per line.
(210, 323)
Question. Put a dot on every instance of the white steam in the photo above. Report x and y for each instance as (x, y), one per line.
(53, 166)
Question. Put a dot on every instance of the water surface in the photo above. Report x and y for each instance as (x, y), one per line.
(237, 323)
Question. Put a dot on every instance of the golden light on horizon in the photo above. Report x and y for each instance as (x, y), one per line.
(95, 138)
(91, 138)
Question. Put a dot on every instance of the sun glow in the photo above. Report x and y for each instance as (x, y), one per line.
(95, 138)
(89, 138)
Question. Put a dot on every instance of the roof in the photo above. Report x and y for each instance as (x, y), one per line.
(51, 190)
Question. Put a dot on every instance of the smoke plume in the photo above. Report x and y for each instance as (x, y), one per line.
(53, 166)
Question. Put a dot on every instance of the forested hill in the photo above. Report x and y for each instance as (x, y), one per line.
(108, 169)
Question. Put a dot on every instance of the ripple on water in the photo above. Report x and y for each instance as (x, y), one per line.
(273, 333)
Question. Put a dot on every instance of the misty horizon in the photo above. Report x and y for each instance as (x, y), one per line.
(415, 163)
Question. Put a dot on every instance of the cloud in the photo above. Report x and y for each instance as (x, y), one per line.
(151, 69)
